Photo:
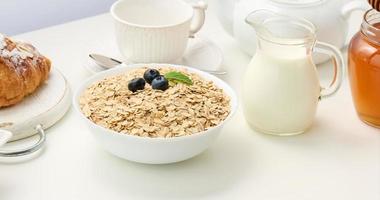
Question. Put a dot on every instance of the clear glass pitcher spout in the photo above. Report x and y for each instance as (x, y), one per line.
(282, 29)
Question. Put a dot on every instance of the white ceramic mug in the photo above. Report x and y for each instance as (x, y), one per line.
(155, 31)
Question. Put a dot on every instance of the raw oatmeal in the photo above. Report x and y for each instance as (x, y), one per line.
(180, 110)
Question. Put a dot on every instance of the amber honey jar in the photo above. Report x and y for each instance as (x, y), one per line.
(364, 69)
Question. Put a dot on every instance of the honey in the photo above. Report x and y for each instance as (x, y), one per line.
(364, 69)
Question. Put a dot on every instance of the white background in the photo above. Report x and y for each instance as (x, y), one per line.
(18, 16)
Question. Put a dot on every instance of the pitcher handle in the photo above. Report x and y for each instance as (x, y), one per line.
(198, 18)
(338, 63)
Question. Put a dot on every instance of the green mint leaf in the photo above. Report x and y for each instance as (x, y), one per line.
(178, 77)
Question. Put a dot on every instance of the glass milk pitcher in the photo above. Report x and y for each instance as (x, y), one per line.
(281, 88)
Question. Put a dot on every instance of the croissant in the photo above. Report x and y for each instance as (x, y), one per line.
(22, 70)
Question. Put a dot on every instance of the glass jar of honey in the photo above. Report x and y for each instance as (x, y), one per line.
(364, 69)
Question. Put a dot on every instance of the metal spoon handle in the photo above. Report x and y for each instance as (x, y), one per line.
(108, 62)
(215, 72)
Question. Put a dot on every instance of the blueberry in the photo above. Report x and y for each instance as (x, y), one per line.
(136, 84)
(160, 83)
(150, 74)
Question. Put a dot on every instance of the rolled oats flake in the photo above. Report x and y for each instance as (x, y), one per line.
(180, 110)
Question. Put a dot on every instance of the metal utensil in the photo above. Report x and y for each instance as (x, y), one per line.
(24, 151)
(108, 63)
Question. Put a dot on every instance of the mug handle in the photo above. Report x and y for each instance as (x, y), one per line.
(352, 6)
(338, 63)
(199, 17)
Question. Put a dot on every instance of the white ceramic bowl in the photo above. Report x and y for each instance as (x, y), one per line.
(154, 150)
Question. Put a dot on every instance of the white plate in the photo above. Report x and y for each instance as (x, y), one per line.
(45, 106)
(201, 53)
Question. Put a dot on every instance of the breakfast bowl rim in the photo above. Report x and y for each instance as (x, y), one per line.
(126, 67)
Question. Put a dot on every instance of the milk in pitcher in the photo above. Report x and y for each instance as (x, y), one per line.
(281, 87)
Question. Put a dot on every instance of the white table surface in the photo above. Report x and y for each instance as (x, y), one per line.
(339, 158)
